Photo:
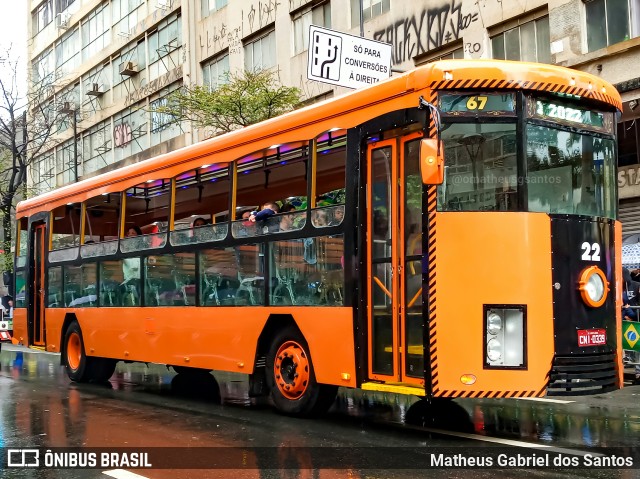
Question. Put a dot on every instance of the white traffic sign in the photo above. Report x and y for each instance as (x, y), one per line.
(346, 60)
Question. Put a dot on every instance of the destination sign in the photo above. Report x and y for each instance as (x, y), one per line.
(569, 113)
(475, 103)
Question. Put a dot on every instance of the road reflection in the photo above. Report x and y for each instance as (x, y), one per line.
(68, 417)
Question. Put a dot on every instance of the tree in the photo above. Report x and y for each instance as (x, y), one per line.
(28, 124)
(246, 98)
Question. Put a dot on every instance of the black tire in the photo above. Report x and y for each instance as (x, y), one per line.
(102, 369)
(75, 359)
(306, 399)
(81, 368)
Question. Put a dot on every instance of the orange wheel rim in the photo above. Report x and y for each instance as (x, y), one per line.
(291, 370)
(74, 351)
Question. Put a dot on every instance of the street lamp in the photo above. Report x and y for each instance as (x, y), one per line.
(69, 108)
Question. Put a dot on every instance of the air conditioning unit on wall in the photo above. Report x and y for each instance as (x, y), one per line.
(62, 20)
(95, 89)
(128, 68)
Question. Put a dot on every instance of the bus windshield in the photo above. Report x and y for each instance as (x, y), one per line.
(567, 165)
(570, 173)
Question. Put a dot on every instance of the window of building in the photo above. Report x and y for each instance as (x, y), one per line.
(370, 9)
(43, 67)
(43, 16)
(126, 14)
(43, 173)
(67, 52)
(97, 145)
(96, 32)
(319, 15)
(94, 84)
(628, 134)
(66, 162)
(528, 41)
(67, 100)
(124, 84)
(451, 51)
(62, 5)
(210, 6)
(215, 72)
(163, 126)
(260, 53)
(611, 21)
(164, 47)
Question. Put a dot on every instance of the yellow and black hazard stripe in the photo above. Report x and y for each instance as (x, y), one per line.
(490, 394)
(431, 255)
(495, 84)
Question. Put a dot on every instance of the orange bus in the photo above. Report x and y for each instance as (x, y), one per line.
(449, 232)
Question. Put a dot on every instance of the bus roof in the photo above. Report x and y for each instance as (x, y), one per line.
(341, 112)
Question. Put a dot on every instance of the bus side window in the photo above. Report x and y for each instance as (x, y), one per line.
(146, 206)
(276, 174)
(330, 170)
(201, 205)
(65, 232)
(101, 225)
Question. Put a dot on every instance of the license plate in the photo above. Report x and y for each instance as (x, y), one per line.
(591, 337)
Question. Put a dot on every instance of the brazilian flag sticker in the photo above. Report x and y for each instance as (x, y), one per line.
(630, 335)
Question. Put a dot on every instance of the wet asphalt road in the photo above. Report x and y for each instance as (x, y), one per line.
(366, 435)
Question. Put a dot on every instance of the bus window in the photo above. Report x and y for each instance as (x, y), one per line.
(80, 286)
(330, 168)
(65, 232)
(20, 289)
(219, 276)
(113, 289)
(307, 272)
(146, 209)
(480, 172)
(170, 280)
(21, 239)
(101, 225)
(201, 205)
(55, 287)
(275, 175)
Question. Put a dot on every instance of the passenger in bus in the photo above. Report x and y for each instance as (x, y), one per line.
(247, 227)
(268, 210)
(320, 218)
(338, 215)
(198, 222)
(286, 218)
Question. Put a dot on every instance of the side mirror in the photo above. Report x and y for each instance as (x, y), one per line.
(432, 161)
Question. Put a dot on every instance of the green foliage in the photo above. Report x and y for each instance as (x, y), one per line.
(246, 98)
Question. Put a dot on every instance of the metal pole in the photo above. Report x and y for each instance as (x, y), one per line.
(75, 145)
(361, 18)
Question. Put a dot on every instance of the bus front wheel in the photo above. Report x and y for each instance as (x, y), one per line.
(80, 367)
(291, 378)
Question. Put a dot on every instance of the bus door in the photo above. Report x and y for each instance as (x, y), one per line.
(36, 320)
(394, 275)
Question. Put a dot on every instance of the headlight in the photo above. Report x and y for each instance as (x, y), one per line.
(593, 286)
(504, 336)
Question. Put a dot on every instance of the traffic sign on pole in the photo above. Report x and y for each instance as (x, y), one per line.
(346, 60)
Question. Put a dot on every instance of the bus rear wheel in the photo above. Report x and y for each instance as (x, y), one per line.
(291, 378)
(80, 367)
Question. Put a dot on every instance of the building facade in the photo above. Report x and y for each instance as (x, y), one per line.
(110, 61)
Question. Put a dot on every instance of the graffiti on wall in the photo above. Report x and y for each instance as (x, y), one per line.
(122, 135)
(424, 31)
(219, 37)
(262, 14)
(154, 85)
